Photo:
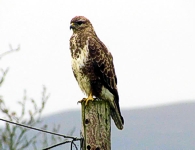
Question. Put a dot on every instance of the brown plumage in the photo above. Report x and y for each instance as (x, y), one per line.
(93, 68)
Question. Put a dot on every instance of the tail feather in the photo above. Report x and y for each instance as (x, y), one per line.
(116, 114)
(118, 120)
(113, 99)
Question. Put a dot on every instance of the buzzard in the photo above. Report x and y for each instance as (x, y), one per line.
(93, 67)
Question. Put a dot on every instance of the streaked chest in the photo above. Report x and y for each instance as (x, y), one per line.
(80, 57)
(79, 52)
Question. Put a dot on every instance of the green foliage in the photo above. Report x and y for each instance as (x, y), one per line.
(14, 137)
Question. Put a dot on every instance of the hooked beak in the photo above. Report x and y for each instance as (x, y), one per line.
(72, 26)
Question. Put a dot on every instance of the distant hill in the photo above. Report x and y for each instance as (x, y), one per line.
(170, 127)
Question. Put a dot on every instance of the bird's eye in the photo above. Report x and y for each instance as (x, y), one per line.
(79, 22)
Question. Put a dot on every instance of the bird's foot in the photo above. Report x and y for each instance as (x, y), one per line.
(90, 98)
(81, 100)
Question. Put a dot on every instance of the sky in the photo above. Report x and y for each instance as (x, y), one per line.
(152, 42)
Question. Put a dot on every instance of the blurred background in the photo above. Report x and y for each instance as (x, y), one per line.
(153, 45)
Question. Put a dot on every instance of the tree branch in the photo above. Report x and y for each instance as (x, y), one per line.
(10, 51)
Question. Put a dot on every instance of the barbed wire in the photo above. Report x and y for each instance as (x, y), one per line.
(49, 132)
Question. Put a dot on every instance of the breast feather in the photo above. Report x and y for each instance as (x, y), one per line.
(77, 64)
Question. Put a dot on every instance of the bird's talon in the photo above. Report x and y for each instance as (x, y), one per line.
(81, 100)
(88, 99)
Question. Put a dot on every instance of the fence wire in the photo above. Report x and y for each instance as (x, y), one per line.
(71, 141)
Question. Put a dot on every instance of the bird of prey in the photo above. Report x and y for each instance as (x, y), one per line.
(93, 67)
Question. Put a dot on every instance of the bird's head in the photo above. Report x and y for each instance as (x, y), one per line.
(80, 23)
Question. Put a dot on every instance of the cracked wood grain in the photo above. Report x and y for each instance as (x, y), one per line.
(96, 127)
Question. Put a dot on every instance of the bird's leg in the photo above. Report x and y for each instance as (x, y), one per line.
(90, 97)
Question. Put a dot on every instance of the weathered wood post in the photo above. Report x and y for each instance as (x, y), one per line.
(96, 125)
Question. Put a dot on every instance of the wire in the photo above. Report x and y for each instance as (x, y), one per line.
(57, 145)
(41, 130)
(72, 143)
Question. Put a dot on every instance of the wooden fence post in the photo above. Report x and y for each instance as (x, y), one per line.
(96, 127)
